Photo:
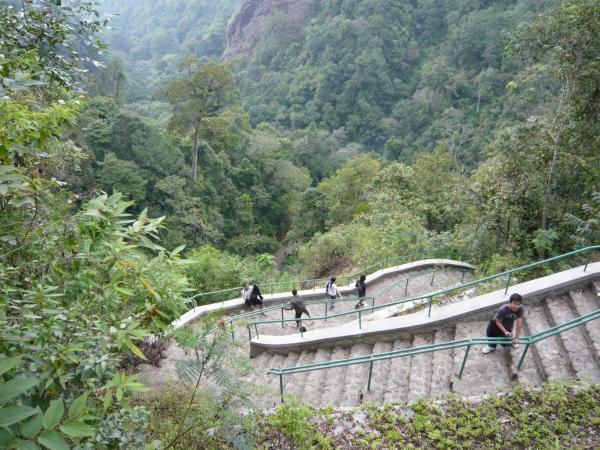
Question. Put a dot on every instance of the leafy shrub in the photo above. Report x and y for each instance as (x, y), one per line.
(152, 348)
(104, 286)
(293, 420)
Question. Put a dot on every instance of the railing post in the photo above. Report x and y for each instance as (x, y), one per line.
(406, 287)
(281, 386)
(462, 278)
(430, 302)
(587, 261)
(462, 366)
(523, 357)
(360, 319)
(508, 283)
(282, 318)
(326, 304)
(370, 375)
(314, 285)
(256, 329)
(232, 332)
(249, 333)
(432, 276)
(271, 290)
(301, 332)
(373, 305)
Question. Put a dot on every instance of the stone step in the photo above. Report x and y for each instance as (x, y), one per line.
(396, 388)
(269, 383)
(355, 384)
(442, 364)
(551, 353)
(419, 380)
(315, 381)
(483, 373)
(288, 381)
(529, 374)
(574, 340)
(381, 372)
(586, 301)
(297, 381)
(596, 287)
(260, 365)
(335, 378)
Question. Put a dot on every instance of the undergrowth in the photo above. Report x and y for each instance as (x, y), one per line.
(556, 416)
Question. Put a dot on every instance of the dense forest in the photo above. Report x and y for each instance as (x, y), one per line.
(357, 130)
(138, 166)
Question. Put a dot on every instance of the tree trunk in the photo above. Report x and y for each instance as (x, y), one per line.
(195, 150)
(544, 225)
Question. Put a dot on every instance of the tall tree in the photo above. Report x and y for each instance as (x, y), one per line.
(203, 92)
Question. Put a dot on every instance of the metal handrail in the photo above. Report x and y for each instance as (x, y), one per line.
(269, 286)
(468, 343)
(442, 292)
(589, 249)
(359, 312)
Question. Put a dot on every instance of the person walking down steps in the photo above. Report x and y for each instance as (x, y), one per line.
(298, 306)
(361, 291)
(501, 324)
(332, 292)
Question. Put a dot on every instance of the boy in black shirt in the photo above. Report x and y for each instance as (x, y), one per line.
(501, 325)
(361, 291)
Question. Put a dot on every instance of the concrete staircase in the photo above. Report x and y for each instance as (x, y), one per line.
(418, 285)
(572, 355)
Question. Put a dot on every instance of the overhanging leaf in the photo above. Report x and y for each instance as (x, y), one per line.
(78, 407)
(15, 414)
(52, 440)
(16, 387)
(76, 428)
(53, 414)
(9, 363)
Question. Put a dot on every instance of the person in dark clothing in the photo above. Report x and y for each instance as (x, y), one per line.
(501, 324)
(252, 296)
(361, 291)
(298, 306)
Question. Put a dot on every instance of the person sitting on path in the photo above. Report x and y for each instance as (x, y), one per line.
(252, 296)
(297, 305)
(501, 324)
(332, 292)
(361, 291)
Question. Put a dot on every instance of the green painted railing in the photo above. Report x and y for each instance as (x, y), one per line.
(358, 312)
(462, 286)
(527, 341)
(315, 283)
(230, 320)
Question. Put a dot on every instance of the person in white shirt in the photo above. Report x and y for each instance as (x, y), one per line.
(251, 295)
(332, 292)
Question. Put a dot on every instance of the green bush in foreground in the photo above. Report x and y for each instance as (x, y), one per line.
(557, 416)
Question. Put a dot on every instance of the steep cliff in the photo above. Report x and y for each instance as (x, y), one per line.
(256, 18)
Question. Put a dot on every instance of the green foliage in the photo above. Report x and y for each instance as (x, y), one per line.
(555, 416)
(104, 284)
(204, 92)
(122, 176)
(216, 419)
(293, 420)
(587, 230)
(150, 37)
(42, 42)
(346, 192)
